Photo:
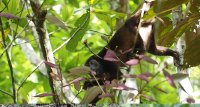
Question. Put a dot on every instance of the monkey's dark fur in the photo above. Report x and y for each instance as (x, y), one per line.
(125, 39)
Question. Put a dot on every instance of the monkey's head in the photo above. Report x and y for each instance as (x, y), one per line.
(94, 65)
(104, 69)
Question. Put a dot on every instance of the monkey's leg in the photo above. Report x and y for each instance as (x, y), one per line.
(163, 51)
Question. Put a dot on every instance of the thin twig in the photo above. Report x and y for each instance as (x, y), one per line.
(4, 92)
(76, 95)
(89, 30)
(29, 75)
(5, 7)
(119, 59)
(141, 90)
(13, 40)
(86, 45)
(73, 35)
(98, 83)
(9, 63)
(141, 81)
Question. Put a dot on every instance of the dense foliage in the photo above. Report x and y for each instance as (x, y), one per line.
(75, 22)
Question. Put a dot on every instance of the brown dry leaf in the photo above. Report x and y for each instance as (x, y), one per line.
(55, 76)
(44, 95)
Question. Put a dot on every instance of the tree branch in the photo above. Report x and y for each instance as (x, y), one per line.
(180, 47)
(39, 19)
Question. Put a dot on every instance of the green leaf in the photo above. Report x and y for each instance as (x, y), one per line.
(22, 22)
(48, 2)
(27, 87)
(74, 3)
(76, 72)
(83, 20)
(181, 27)
(110, 13)
(54, 20)
(163, 6)
(192, 54)
(90, 94)
(109, 17)
(179, 76)
(106, 100)
(78, 33)
(13, 6)
(83, 70)
(163, 28)
(5, 3)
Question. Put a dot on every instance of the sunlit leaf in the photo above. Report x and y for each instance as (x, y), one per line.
(109, 16)
(78, 33)
(74, 3)
(105, 100)
(28, 86)
(75, 80)
(6, 32)
(161, 90)
(5, 2)
(48, 2)
(148, 98)
(109, 12)
(91, 1)
(24, 101)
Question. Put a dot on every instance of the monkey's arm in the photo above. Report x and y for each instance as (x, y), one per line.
(153, 48)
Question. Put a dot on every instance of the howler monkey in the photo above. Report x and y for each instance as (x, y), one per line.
(123, 40)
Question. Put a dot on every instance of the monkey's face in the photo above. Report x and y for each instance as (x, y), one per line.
(106, 70)
(95, 66)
